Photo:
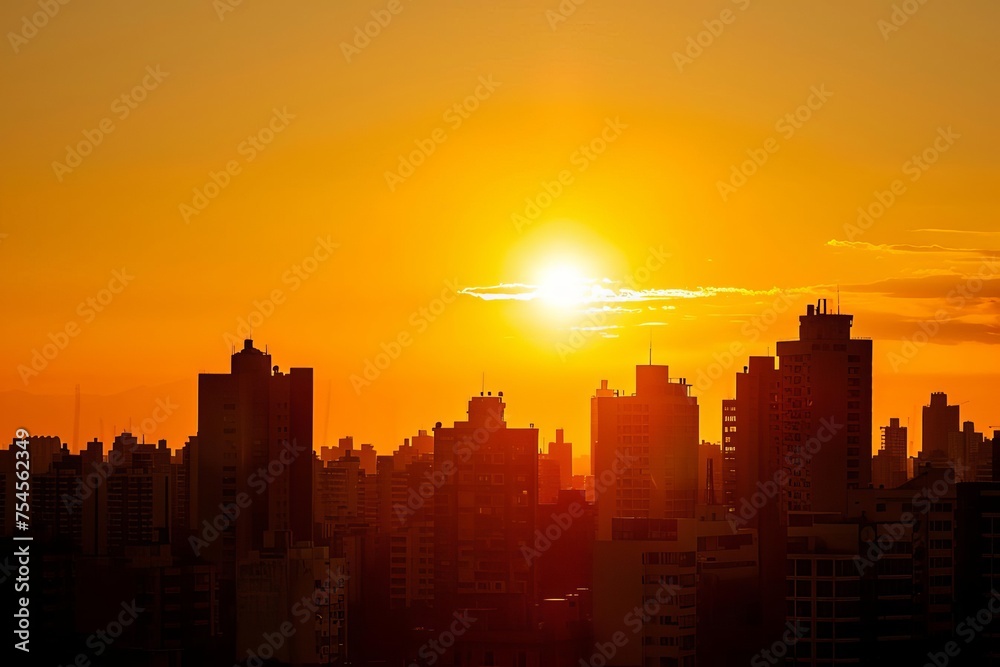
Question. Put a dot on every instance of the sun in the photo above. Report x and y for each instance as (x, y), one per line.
(563, 285)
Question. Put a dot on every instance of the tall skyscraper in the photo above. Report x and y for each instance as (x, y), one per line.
(826, 411)
(757, 436)
(250, 469)
(644, 449)
(255, 431)
(761, 479)
(485, 504)
(939, 420)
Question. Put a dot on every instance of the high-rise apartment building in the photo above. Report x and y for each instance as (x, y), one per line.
(826, 411)
(644, 449)
(485, 502)
(254, 438)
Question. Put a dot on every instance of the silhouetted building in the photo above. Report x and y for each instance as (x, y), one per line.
(485, 481)
(648, 570)
(823, 592)
(299, 593)
(253, 454)
(889, 464)
(977, 578)
(965, 448)
(728, 630)
(562, 452)
(644, 449)
(939, 420)
(761, 480)
(826, 411)
(548, 479)
(562, 550)
(729, 427)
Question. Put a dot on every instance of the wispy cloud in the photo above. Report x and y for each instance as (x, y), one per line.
(909, 248)
(934, 287)
(605, 291)
(974, 232)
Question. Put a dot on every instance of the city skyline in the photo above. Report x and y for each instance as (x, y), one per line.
(448, 545)
(164, 411)
(560, 333)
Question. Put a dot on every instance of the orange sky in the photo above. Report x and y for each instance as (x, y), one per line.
(612, 109)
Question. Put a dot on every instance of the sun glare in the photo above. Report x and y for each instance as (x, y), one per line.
(563, 285)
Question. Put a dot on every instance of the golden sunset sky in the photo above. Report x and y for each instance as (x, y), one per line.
(580, 197)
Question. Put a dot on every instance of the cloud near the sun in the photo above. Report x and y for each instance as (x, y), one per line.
(909, 248)
(607, 291)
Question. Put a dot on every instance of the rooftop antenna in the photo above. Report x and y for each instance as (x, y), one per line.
(484, 384)
(651, 346)
(838, 299)
(76, 418)
(326, 425)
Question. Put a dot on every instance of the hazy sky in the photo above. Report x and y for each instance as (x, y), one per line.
(594, 174)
